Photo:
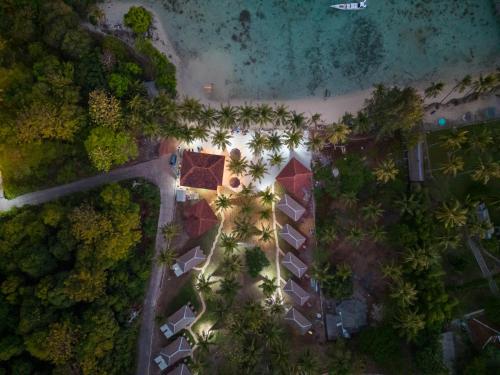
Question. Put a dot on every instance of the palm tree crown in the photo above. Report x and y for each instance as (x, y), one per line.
(238, 166)
(223, 202)
(257, 170)
(338, 133)
(273, 142)
(454, 165)
(257, 143)
(227, 116)
(386, 171)
(452, 215)
(220, 139)
(293, 138)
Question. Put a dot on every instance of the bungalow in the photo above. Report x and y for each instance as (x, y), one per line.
(299, 320)
(199, 218)
(291, 208)
(179, 320)
(202, 171)
(188, 261)
(294, 265)
(173, 353)
(298, 294)
(296, 179)
(293, 237)
(182, 369)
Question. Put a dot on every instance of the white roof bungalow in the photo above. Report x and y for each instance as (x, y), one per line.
(294, 265)
(188, 261)
(293, 237)
(291, 208)
(173, 353)
(179, 320)
(296, 292)
(180, 370)
(294, 316)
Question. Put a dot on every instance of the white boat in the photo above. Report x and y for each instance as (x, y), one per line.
(350, 6)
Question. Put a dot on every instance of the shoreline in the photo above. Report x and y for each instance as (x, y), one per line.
(331, 109)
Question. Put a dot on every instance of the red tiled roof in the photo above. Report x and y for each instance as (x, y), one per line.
(199, 218)
(296, 179)
(203, 171)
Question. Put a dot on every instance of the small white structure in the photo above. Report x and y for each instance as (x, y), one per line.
(294, 265)
(180, 195)
(182, 369)
(294, 316)
(291, 208)
(173, 353)
(179, 320)
(188, 261)
(293, 237)
(294, 290)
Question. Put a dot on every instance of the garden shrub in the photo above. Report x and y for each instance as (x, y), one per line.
(138, 19)
(256, 261)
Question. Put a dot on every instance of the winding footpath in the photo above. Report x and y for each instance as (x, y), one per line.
(158, 172)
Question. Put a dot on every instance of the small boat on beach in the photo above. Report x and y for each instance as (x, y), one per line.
(350, 6)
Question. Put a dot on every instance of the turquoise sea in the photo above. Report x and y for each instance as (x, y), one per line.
(284, 49)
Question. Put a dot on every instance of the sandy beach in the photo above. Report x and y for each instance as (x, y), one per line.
(214, 68)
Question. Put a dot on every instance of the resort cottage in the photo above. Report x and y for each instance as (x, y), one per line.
(202, 171)
(299, 320)
(199, 218)
(179, 320)
(294, 265)
(188, 261)
(295, 291)
(296, 179)
(293, 237)
(291, 208)
(173, 353)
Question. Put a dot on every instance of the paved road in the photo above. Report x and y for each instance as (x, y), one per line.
(157, 171)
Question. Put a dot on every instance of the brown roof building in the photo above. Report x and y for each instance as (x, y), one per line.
(296, 179)
(294, 290)
(188, 261)
(291, 208)
(199, 218)
(202, 171)
(299, 320)
(179, 320)
(292, 236)
(173, 353)
(294, 265)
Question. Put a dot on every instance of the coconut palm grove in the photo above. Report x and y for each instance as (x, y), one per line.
(155, 219)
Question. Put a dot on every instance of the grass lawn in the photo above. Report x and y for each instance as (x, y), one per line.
(186, 294)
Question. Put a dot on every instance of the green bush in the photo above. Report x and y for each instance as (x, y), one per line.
(256, 261)
(138, 19)
(164, 70)
(354, 175)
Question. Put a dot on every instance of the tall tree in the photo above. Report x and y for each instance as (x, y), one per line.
(452, 215)
(257, 170)
(386, 171)
(338, 133)
(220, 139)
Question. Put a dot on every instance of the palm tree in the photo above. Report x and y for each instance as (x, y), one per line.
(343, 271)
(273, 142)
(247, 116)
(454, 165)
(452, 215)
(238, 166)
(484, 84)
(349, 199)
(204, 284)
(257, 170)
(208, 117)
(247, 191)
(229, 243)
(243, 229)
(204, 341)
(166, 257)
(268, 286)
(355, 235)
(404, 293)
(408, 204)
(293, 138)
(378, 234)
(281, 115)
(265, 114)
(257, 144)
(223, 202)
(170, 231)
(190, 110)
(298, 120)
(228, 288)
(231, 265)
(481, 141)
(307, 364)
(276, 307)
(265, 214)
(421, 259)
(220, 139)
(321, 272)
(386, 171)
(327, 234)
(315, 143)
(461, 86)
(276, 160)
(449, 241)
(338, 133)
(372, 211)
(455, 141)
(410, 323)
(484, 173)
(434, 89)
(266, 233)
(267, 196)
(392, 271)
(201, 133)
(227, 116)
(280, 358)
(315, 120)
(273, 333)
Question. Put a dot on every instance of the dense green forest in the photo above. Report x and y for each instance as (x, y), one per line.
(71, 273)
(70, 99)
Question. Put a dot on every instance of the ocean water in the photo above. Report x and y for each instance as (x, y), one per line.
(288, 49)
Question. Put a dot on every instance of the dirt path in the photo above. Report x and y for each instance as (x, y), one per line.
(278, 250)
(157, 171)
